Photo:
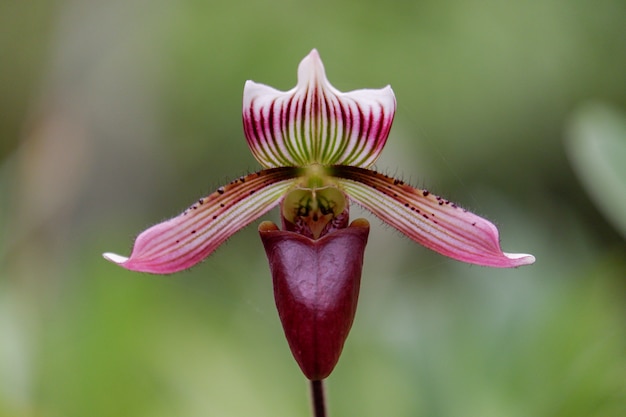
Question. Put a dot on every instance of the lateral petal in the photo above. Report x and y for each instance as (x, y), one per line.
(428, 219)
(185, 240)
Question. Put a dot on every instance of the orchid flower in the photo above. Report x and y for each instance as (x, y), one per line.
(317, 146)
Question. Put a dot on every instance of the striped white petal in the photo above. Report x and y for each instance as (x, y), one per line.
(316, 123)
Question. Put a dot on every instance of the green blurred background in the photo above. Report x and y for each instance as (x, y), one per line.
(116, 115)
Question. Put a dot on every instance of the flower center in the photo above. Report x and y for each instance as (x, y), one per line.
(314, 212)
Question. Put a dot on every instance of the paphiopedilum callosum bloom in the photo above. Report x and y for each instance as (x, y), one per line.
(316, 145)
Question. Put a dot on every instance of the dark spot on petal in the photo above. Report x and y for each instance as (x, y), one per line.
(252, 192)
(201, 201)
(193, 231)
(425, 193)
(406, 204)
(214, 216)
(474, 224)
(221, 204)
(425, 216)
(220, 190)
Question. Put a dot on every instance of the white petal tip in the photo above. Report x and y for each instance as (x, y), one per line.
(311, 68)
(118, 259)
(522, 258)
(314, 53)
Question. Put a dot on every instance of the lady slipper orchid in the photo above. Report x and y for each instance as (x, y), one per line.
(316, 145)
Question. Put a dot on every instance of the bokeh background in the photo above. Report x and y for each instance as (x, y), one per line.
(115, 115)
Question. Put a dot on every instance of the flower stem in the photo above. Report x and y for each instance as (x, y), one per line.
(317, 397)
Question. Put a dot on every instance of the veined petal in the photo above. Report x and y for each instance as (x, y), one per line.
(185, 240)
(316, 123)
(429, 220)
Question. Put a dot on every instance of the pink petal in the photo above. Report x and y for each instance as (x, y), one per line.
(185, 240)
(428, 219)
(316, 123)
